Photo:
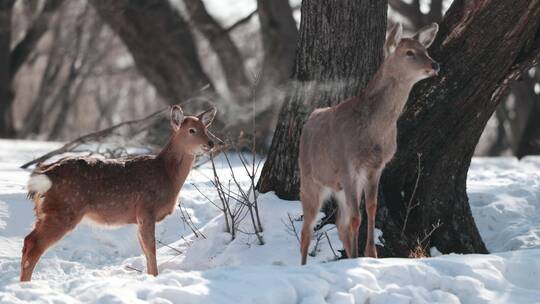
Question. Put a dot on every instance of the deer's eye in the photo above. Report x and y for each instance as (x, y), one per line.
(192, 131)
(410, 53)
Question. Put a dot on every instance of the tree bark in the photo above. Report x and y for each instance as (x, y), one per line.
(445, 117)
(6, 94)
(161, 44)
(226, 50)
(339, 50)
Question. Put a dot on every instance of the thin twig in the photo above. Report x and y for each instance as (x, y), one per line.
(187, 219)
(433, 228)
(132, 268)
(169, 246)
(410, 206)
(330, 244)
(291, 228)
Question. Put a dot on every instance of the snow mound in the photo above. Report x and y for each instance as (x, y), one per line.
(504, 194)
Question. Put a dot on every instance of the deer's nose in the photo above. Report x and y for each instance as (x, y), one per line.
(211, 144)
(435, 67)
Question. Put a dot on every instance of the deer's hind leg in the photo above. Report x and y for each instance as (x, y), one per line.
(146, 233)
(343, 221)
(51, 225)
(311, 196)
(348, 218)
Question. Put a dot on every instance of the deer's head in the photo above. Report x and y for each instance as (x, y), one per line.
(409, 56)
(190, 133)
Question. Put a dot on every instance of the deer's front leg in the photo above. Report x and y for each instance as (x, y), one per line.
(146, 234)
(371, 191)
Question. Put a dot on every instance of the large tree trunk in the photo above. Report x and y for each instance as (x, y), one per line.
(439, 129)
(6, 96)
(339, 50)
(161, 44)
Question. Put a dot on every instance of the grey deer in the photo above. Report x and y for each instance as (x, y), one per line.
(344, 148)
(140, 190)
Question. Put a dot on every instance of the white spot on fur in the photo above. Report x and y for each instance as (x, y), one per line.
(40, 183)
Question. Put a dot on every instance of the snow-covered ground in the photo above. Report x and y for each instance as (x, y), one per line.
(96, 265)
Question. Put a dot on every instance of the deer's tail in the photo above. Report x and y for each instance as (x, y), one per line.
(38, 185)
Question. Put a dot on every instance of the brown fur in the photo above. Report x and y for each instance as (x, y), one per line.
(343, 149)
(138, 190)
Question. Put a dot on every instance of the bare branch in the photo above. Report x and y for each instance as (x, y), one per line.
(241, 21)
(410, 205)
(290, 227)
(226, 50)
(169, 246)
(93, 137)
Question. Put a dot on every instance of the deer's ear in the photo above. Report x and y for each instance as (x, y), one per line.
(427, 34)
(393, 39)
(177, 116)
(207, 117)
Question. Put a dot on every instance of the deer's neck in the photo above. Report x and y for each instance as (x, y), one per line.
(385, 95)
(177, 164)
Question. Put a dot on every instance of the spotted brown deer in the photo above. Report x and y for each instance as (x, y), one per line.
(139, 190)
(344, 148)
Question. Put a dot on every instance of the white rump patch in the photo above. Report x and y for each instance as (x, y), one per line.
(40, 183)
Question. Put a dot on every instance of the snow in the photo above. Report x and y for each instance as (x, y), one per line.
(505, 201)
(96, 265)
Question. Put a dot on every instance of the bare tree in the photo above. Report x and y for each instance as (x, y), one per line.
(13, 59)
(6, 94)
(85, 55)
(279, 38)
(161, 44)
(38, 28)
(226, 50)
